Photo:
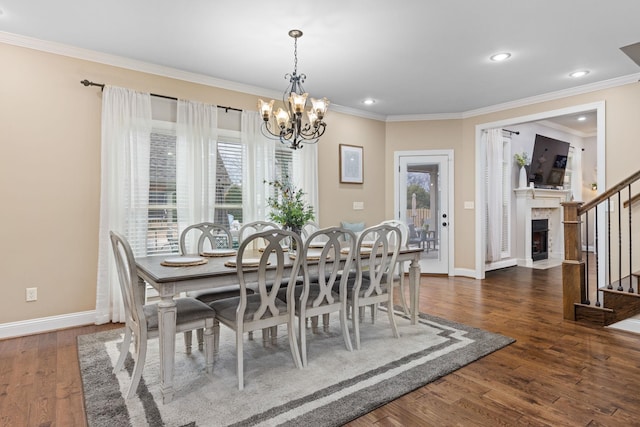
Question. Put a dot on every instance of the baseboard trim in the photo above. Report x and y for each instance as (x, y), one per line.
(46, 324)
(465, 272)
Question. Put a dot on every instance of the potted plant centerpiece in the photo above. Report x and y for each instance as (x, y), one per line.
(288, 206)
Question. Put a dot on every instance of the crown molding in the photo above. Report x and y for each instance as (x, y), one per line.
(565, 129)
(146, 67)
(135, 65)
(424, 117)
(551, 96)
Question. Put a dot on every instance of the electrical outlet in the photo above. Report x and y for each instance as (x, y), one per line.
(32, 294)
(357, 206)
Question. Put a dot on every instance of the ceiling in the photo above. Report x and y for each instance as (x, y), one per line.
(415, 57)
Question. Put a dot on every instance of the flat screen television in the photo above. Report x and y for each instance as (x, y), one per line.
(548, 162)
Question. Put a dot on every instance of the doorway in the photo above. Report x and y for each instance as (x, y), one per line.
(423, 183)
(481, 239)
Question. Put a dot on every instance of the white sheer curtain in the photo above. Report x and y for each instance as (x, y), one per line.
(196, 158)
(494, 160)
(259, 166)
(305, 173)
(124, 199)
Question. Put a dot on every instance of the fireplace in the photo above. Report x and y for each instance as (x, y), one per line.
(533, 204)
(539, 239)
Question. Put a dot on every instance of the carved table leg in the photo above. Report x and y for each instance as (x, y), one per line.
(167, 330)
(414, 284)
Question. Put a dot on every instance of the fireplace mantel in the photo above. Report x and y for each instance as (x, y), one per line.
(539, 203)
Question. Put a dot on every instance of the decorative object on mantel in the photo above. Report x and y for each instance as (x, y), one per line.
(288, 207)
(291, 129)
(522, 160)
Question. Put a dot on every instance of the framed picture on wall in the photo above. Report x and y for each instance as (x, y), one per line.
(351, 164)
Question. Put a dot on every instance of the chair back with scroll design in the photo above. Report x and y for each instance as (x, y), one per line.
(142, 321)
(325, 287)
(255, 227)
(199, 237)
(195, 239)
(308, 229)
(404, 232)
(378, 259)
(266, 273)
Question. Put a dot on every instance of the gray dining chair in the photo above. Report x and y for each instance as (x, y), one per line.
(308, 229)
(142, 320)
(246, 231)
(373, 281)
(196, 239)
(262, 310)
(324, 289)
(404, 237)
(255, 227)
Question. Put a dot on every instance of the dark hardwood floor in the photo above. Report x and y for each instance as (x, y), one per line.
(557, 373)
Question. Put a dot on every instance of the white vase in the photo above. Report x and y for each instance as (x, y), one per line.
(523, 178)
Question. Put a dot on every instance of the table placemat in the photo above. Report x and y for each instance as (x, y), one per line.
(219, 252)
(183, 261)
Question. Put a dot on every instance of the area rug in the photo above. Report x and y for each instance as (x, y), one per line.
(337, 385)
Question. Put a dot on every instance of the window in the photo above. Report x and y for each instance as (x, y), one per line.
(163, 233)
(228, 201)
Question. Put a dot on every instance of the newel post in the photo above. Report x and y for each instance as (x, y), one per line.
(573, 268)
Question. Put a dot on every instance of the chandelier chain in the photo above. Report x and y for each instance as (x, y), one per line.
(295, 56)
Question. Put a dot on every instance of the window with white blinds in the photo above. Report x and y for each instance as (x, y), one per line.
(163, 232)
(229, 165)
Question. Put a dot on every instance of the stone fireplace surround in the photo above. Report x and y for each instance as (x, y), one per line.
(538, 203)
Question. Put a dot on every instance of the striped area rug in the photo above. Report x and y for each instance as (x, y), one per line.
(336, 387)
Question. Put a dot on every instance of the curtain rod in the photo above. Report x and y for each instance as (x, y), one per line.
(512, 131)
(87, 83)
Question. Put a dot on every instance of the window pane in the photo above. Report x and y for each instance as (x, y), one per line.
(228, 204)
(162, 236)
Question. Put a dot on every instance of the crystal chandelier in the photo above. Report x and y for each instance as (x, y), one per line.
(291, 128)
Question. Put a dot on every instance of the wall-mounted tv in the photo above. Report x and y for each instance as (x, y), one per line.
(548, 162)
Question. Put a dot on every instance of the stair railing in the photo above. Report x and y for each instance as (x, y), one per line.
(575, 267)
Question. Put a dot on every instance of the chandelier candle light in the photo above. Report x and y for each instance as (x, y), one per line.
(291, 130)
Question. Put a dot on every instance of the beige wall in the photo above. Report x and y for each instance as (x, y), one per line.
(50, 174)
(50, 169)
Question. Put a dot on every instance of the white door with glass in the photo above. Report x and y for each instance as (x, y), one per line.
(422, 202)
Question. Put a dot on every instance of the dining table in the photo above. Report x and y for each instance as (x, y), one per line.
(172, 281)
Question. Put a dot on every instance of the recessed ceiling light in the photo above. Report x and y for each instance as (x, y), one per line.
(500, 56)
(580, 73)
(582, 118)
(369, 101)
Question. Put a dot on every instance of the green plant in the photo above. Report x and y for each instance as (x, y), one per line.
(521, 159)
(288, 206)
